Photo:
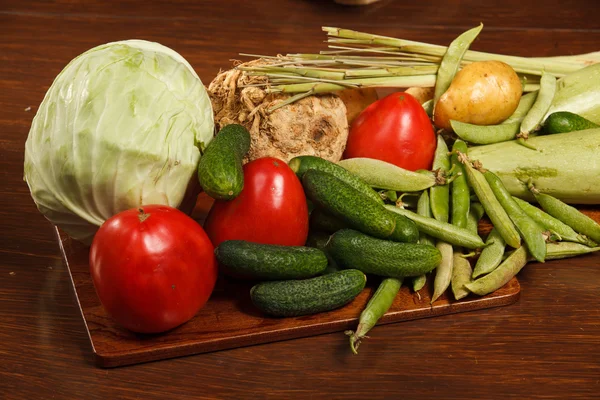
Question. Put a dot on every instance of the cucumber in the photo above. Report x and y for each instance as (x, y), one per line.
(355, 208)
(564, 121)
(247, 260)
(308, 296)
(220, 170)
(321, 220)
(352, 249)
(319, 240)
(301, 164)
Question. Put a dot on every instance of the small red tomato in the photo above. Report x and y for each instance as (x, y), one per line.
(270, 209)
(153, 268)
(395, 129)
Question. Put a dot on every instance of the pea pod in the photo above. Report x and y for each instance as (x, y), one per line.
(475, 214)
(491, 256)
(523, 108)
(554, 225)
(441, 230)
(461, 275)
(530, 231)
(501, 275)
(451, 61)
(488, 134)
(569, 215)
(493, 208)
(558, 251)
(383, 175)
(535, 116)
(377, 306)
(485, 134)
(419, 282)
(439, 196)
(459, 188)
(443, 272)
(424, 209)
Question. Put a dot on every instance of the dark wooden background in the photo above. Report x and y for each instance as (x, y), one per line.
(545, 346)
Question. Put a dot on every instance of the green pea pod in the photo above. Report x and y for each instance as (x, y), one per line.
(501, 275)
(451, 61)
(531, 232)
(419, 282)
(475, 214)
(569, 215)
(535, 116)
(443, 272)
(491, 256)
(554, 225)
(493, 208)
(424, 209)
(377, 306)
(461, 275)
(485, 134)
(383, 175)
(558, 251)
(441, 230)
(459, 188)
(439, 196)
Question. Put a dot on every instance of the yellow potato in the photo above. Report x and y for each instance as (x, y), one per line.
(482, 93)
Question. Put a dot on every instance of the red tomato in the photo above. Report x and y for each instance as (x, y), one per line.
(395, 129)
(153, 268)
(271, 208)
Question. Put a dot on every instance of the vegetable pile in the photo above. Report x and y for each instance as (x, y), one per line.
(399, 199)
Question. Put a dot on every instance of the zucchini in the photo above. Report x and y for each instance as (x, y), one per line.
(566, 166)
(352, 249)
(578, 92)
(308, 296)
(220, 170)
(355, 208)
(301, 164)
(564, 121)
(247, 260)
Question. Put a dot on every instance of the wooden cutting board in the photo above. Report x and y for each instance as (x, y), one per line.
(230, 320)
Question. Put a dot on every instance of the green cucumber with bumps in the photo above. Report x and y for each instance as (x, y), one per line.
(220, 170)
(564, 121)
(301, 164)
(308, 296)
(247, 260)
(355, 208)
(353, 249)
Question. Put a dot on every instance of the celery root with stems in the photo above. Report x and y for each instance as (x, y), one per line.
(314, 125)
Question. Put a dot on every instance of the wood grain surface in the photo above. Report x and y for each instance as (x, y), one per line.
(546, 346)
(229, 320)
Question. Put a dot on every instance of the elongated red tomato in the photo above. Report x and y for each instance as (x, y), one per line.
(271, 208)
(395, 129)
(153, 268)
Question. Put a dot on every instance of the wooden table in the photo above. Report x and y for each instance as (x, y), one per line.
(545, 346)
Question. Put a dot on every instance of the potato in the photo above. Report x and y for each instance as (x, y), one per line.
(482, 93)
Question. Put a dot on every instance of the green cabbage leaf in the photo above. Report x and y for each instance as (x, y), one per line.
(123, 125)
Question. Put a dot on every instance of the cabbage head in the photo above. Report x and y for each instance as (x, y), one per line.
(123, 125)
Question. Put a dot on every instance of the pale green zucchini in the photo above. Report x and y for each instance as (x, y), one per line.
(579, 93)
(566, 165)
